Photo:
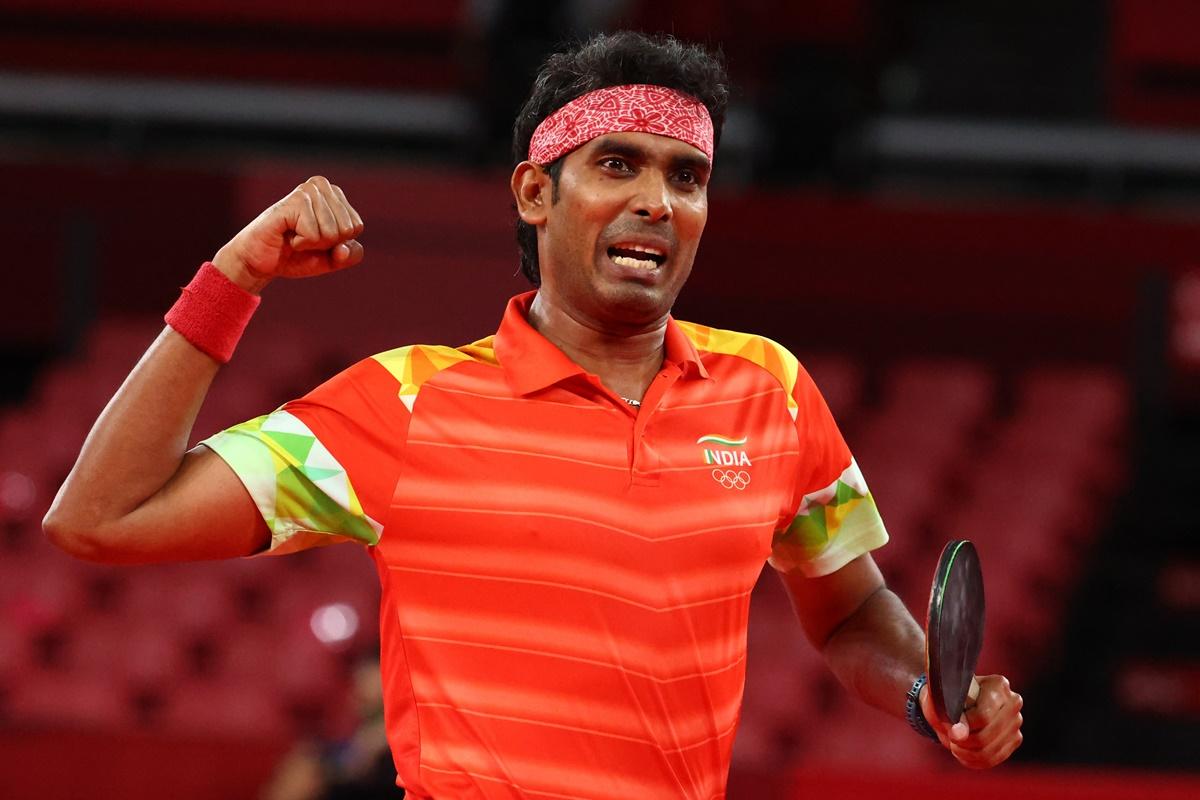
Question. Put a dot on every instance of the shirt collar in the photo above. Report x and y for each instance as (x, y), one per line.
(531, 362)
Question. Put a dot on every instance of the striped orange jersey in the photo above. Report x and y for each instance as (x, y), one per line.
(566, 578)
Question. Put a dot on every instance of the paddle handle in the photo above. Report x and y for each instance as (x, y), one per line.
(973, 692)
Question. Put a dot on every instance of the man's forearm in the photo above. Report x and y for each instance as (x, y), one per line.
(135, 495)
(137, 443)
(878, 652)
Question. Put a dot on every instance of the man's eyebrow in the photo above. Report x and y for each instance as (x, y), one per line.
(617, 147)
(697, 163)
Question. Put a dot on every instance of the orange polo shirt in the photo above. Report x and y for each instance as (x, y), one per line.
(566, 578)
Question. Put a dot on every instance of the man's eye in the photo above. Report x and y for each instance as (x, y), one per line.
(687, 176)
(615, 163)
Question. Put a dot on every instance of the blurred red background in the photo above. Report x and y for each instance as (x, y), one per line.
(976, 225)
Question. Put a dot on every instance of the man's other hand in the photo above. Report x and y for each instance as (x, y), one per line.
(990, 728)
(311, 231)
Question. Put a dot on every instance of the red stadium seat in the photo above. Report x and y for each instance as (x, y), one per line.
(224, 710)
(306, 668)
(1094, 400)
(249, 654)
(150, 659)
(840, 380)
(955, 391)
(857, 734)
(70, 701)
(130, 655)
(121, 341)
(15, 656)
(43, 595)
(196, 601)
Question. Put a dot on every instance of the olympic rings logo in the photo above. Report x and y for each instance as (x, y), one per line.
(732, 479)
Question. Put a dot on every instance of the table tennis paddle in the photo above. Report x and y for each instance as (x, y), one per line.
(954, 630)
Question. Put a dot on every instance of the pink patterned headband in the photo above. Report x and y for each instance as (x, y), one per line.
(636, 108)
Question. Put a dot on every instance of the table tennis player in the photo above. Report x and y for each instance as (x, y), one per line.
(567, 516)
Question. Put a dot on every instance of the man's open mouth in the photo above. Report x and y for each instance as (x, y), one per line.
(637, 256)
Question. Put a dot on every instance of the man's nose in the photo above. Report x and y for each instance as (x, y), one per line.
(653, 198)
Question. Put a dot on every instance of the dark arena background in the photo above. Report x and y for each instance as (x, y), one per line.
(978, 224)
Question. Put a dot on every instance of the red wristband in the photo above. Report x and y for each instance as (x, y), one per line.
(212, 312)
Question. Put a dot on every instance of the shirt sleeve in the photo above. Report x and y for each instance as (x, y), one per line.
(835, 518)
(322, 469)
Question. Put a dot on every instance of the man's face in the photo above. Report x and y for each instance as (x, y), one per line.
(619, 240)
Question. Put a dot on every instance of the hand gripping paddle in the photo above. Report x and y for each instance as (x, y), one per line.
(954, 630)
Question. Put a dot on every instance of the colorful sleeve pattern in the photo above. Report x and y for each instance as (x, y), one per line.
(301, 490)
(833, 526)
(836, 519)
(323, 468)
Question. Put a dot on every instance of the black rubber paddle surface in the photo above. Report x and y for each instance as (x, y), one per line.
(954, 628)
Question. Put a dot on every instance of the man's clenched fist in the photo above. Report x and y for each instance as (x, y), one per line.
(311, 231)
(990, 728)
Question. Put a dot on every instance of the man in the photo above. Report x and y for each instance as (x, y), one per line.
(567, 517)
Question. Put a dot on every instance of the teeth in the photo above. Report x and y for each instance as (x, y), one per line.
(636, 263)
(640, 249)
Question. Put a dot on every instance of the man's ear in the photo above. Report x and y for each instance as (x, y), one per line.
(531, 189)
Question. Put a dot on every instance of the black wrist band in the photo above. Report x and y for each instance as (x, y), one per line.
(912, 709)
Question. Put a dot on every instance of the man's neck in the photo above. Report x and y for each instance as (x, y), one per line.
(626, 363)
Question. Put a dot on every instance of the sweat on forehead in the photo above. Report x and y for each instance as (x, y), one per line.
(635, 108)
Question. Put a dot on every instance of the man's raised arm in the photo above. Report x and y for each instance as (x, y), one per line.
(134, 494)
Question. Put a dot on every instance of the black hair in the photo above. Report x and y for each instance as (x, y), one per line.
(613, 59)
